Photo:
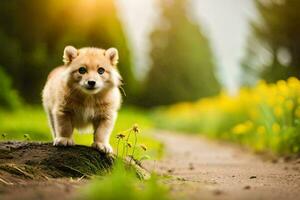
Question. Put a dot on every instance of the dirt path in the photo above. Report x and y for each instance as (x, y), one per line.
(210, 170)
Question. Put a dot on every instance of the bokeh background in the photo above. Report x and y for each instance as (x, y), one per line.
(227, 69)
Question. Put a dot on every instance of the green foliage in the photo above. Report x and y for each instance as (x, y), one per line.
(182, 63)
(33, 34)
(123, 184)
(277, 32)
(9, 98)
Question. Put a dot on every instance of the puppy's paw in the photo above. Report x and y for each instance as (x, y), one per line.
(106, 148)
(63, 141)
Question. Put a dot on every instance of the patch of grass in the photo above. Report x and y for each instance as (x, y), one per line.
(123, 184)
(26, 121)
(30, 123)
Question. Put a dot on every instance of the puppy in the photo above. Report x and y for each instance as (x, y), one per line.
(84, 91)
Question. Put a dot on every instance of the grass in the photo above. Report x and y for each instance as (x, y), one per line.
(264, 118)
(123, 184)
(30, 123)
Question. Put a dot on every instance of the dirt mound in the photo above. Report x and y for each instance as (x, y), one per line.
(41, 160)
(36, 170)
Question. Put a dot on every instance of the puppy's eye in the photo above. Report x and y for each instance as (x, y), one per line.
(101, 70)
(82, 70)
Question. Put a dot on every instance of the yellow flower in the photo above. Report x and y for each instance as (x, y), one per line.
(135, 128)
(297, 112)
(280, 99)
(289, 105)
(239, 129)
(254, 114)
(276, 128)
(282, 87)
(242, 128)
(261, 130)
(120, 136)
(293, 83)
(144, 147)
(249, 124)
(278, 111)
(271, 101)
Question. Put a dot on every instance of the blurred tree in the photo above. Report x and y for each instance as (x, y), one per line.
(182, 62)
(9, 98)
(274, 46)
(33, 34)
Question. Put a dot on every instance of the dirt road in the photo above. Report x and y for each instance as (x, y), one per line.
(210, 170)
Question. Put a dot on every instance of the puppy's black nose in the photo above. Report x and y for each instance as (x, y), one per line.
(91, 83)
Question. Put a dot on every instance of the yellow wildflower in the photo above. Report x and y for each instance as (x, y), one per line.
(144, 147)
(271, 101)
(276, 128)
(254, 114)
(280, 99)
(135, 128)
(282, 87)
(293, 83)
(120, 136)
(289, 105)
(293, 80)
(239, 129)
(242, 128)
(249, 124)
(261, 130)
(297, 112)
(278, 111)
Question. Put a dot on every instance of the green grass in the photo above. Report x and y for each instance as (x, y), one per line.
(123, 184)
(31, 123)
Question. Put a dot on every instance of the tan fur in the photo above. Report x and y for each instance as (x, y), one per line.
(69, 103)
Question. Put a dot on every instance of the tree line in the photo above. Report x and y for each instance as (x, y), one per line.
(33, 34)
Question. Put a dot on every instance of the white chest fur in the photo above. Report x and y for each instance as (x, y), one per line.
(83, 116)
(88, 113)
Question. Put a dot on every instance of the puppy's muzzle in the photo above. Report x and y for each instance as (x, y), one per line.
(91, 85)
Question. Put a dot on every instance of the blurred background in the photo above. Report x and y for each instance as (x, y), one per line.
(228, 69)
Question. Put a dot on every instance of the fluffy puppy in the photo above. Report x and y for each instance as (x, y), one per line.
(82, 92)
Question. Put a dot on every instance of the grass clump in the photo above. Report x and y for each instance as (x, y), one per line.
(122, 183)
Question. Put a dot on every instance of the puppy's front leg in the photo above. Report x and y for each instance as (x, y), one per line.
(63, 129)
(103, 129)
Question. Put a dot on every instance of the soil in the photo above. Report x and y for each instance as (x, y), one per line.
(197, 168)
(36, 170)
(34, 160)
(193, 167)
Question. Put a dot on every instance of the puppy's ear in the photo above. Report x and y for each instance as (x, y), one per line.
(113, 55)
(70, 53)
